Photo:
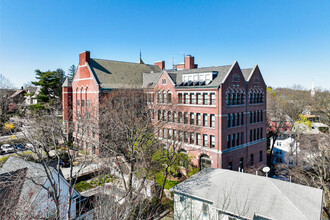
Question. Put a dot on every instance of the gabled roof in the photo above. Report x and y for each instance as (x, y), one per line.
(249, 195)
(11, 184)
(35, 177)
(247, 73)
(17, 93)
(116, 74)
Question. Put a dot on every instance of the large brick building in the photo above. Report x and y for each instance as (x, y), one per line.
(219, 112)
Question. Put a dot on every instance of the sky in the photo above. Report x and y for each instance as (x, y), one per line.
(288, 39)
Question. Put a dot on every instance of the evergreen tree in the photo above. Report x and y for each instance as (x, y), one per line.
(51, 84)
(72, 71)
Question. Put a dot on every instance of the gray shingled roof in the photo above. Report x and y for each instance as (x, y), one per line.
(150, 79)
(267, 197)
(67, 82)
(117, 74)
(247, 73)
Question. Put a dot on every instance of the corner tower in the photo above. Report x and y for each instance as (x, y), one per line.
(67, 107)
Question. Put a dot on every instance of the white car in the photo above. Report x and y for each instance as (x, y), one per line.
(7, 148)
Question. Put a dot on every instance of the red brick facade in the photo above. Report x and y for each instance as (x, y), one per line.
(222, 120)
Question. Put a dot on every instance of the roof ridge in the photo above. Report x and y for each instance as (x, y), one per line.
(286, 198)
(119, 61)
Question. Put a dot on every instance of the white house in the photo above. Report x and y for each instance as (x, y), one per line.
(285, 149)
(31, 95)
(229, 195)
(33, 191)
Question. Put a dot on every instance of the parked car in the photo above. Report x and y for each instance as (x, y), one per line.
(20, 147)
(7, 148)
(2, 152)
(64, 163)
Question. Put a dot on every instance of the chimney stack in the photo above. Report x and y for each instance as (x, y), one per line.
(84, 57)
(160, 64)
(189, 62)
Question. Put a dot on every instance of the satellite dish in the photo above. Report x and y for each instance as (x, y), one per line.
(266, 170)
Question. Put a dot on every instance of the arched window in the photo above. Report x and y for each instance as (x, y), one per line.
(169, 97)
(164, 97)
(228, 98)
(204, 161)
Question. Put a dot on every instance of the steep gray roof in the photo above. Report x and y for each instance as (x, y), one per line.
(249, 195)
(117, 74)
(150, 79)
(67, 82)
(247, 73)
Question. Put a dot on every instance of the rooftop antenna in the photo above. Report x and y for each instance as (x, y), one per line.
(173, 62)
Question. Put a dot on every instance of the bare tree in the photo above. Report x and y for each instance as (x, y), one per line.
(314, 167)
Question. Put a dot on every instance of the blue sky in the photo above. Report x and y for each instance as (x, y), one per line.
(289, 40)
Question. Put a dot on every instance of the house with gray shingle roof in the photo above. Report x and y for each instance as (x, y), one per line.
(225, 194)
(27, 183)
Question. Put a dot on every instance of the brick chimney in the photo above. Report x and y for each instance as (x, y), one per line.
(84, 57)
(189, 62)
(160, 64)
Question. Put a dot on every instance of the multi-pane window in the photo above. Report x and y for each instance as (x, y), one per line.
(228, 141)
(159, 115)
(251, 159)
(205, 99)
(169, 116)
(261, 134)
(180, 136)
(261, 116)
(199, 98)
(198, 139)
(233, 140)
(242, 118)
(192, 138)
(242, 137)
(254, 134)
(251, 136)
(212, 121)
(180, 117)
(237, 139)
(228, 121)
(250, 117)
(186, 137)
(205, 140)
(180, 98)
(233, 120)
(260, 156)
(212, 99)
(88, 103)
(185, 98)
(164, 97)
(186, 118)
(192, 98)
(169, 98)
(192, 118)
(212, 143)
(78, 102)
(237, 119)
(198, 119)
(204, 119)
(175, 134)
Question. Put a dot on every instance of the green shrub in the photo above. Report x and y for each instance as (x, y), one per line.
(83, 186)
